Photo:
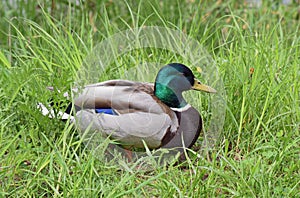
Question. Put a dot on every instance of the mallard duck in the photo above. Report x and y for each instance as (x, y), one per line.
(134, 113)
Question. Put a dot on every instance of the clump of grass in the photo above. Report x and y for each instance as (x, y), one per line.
(256, 51)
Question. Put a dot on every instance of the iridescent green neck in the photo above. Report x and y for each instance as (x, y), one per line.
(168, 96)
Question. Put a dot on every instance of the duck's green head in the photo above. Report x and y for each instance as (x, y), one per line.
(172, 80)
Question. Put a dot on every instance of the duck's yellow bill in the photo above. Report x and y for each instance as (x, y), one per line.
(198, 86)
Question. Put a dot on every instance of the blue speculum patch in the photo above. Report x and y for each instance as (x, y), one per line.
(106, 111)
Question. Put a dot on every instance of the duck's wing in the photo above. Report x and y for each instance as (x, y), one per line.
(121, 95)
(141, 116)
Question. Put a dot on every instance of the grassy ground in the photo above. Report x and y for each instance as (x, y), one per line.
(258, 151)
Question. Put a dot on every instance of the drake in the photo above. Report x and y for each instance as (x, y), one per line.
(134, 113)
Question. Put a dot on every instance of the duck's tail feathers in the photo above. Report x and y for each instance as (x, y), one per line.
(63, 114)
(48, 111)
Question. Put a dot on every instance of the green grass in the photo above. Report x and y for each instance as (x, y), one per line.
(258, 151)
